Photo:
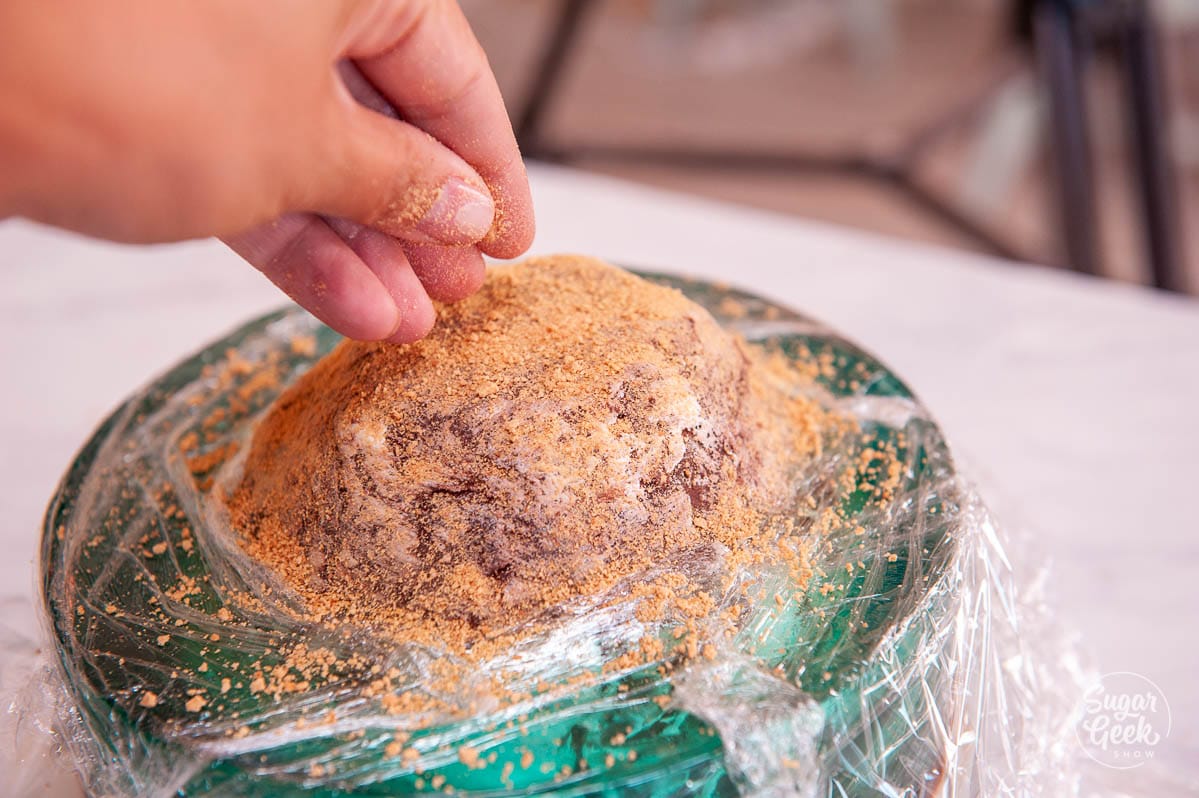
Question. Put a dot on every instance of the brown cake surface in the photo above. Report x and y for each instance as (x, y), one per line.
(566, 427)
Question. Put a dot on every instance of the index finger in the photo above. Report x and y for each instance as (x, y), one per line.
(430, 66)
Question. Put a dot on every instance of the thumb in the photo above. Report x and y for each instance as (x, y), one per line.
(387, 174)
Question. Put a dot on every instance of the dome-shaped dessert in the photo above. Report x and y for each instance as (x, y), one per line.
(568, 425)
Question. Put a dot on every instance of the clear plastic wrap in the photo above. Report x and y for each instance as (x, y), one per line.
(898, 668)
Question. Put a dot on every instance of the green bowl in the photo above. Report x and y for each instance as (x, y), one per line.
(829, 693)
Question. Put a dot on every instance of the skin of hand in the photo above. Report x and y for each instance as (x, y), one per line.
(357, 153)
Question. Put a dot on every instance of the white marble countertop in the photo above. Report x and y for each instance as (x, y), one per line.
(1073, 402)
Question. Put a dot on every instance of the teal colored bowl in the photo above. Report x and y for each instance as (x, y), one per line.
(832, 692)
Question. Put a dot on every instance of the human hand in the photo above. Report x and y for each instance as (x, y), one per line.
(146, 121)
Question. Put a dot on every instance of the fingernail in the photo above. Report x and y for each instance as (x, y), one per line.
(460, 215)
(399, 323)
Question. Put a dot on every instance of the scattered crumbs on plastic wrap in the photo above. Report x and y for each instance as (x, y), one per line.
(31, 744)
(912, 662)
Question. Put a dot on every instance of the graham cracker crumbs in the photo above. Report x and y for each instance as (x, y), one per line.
(303, 345)
(149, 699)
(203, 463)
(195, 704)
(469, 756)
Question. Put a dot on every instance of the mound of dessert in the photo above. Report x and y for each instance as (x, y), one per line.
(568, 427)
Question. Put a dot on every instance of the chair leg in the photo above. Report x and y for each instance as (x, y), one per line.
(558, 47)
(1061, 61)
(1148, 132)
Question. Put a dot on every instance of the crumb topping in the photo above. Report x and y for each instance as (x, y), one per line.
(567, 427)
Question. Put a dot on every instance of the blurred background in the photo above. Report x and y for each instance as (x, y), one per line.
(1062, 132)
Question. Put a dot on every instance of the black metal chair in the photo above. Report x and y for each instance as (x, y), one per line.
(1065, 34)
